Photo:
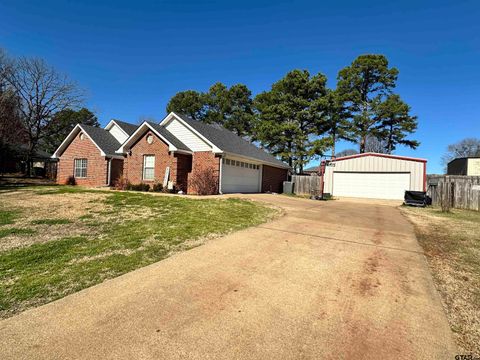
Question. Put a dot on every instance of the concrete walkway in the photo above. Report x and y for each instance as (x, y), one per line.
(330, 280)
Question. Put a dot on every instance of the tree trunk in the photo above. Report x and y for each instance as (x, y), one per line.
(333, 145)
(390, 140)
(290, 154)
(31, 148)
(28, 166)
(363, 141)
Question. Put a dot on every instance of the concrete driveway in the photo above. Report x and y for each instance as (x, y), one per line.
(337, 279)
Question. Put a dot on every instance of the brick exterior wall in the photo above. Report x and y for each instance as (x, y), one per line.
(203, 161)
(184, 169)
(273, 178)
(96, 164)
(133, 166)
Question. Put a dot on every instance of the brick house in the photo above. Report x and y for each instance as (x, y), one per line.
(178, 152)
(88, 154)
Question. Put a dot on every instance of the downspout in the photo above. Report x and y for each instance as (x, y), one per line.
(220, 177)
(109, 171)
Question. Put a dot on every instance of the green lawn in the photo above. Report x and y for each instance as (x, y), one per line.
(74, 238)
(451, 242)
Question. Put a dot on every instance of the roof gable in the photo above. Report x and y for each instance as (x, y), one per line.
(173, 143)
(169, 136)
(120, 130)
(224, 141)
(101, 138)
(194, 139)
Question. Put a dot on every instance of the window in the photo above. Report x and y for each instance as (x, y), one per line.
(148, 167)
(80, 168)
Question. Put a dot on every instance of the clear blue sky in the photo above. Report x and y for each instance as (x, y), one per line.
(132, 56)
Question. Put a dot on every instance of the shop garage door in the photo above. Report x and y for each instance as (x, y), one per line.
(240, 177)
(371, 185)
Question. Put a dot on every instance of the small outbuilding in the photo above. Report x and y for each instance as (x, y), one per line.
(372, 175)
(469, 166)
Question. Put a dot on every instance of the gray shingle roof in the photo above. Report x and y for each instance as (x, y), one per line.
(230, 142)
(102, 138)
(127, 127)
(169, 136)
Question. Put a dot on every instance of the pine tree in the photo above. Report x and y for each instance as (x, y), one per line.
(396, 123)
(364, 85)
(288, 118)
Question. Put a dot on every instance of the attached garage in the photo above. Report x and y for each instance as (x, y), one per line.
(375, 176)
(240, 176)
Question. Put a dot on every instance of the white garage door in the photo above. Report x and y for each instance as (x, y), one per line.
(240, 177)
(371, 185)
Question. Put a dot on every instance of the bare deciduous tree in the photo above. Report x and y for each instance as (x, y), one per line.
(10, 125)
(375, 145)
(41, 92)
(464, 148)
(346, 152)
(143, 118)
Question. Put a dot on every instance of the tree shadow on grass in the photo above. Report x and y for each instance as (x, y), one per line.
(12, 182)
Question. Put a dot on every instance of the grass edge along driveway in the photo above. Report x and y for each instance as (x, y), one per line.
(128, 231)
(451, 242)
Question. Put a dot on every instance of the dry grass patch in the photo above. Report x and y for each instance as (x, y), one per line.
(47, 204)
(45, 216)
(82, 237)
(451, 242)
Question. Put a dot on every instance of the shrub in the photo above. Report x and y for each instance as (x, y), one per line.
(157, 187)
(138, 187)
(204, 182)
(71, 180)
(166, 190)
(121, 183)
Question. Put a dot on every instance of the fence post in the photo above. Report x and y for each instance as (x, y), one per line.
(445, 196)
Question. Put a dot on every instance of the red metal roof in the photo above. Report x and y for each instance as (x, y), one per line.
(379, 155)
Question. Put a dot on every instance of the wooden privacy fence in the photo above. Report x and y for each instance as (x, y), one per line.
(307, 185)
(462, 192)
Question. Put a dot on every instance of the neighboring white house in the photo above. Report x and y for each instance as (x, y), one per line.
(372, 175)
